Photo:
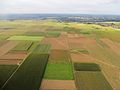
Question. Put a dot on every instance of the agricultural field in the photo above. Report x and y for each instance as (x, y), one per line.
(22, 46)
(26, 38)
(56, 55)
(5, 72)
(88, 76)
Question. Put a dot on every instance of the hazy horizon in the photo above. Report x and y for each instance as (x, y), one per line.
(60, 7)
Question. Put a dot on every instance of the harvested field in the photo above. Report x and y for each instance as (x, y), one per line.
(2, 42)
(112, 74)
(7, 47)
(58, 85)
(115, 48)
(80, 42)
(17, 56)
(56, 43)
(59, 56)
(9, 62)
(78, 57)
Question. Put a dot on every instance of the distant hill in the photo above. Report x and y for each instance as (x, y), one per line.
(62, 17)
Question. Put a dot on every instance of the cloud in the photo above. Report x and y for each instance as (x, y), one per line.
(60, 6)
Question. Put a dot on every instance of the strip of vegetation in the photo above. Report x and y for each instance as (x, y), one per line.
(26, 38)
(23, 46)
(42, 48)
(86, 67)
(5, 72)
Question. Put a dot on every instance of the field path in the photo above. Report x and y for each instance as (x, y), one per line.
(8, 46)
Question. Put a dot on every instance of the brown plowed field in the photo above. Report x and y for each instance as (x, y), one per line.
(58, 85)
(78, 57)
(9, 62)
(7, 47)
(57, 43)
(112, 45)
(3, 42)
(14, 56)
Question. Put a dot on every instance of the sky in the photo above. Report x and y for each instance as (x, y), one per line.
(60, 6)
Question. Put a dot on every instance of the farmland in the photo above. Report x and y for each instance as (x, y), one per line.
(56, 55)
(26, 38)
(5, 72)
(31, 71)
(23, 46)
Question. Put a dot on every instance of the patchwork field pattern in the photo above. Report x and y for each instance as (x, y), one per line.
(65, 51)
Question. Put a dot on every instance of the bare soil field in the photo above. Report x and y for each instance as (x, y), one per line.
(58, 85)
(75, 35)
(78, 57)
(56, 43)
(9, 62)
(112, 74)
(112, 45)
(13, 56)
(80, 42)
(7, 47)
(2, 42)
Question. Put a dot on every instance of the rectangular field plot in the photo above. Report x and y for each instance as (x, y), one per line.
(59, 56)
(42, 49)
(5, 72)
(58, 71)
(29, 74)
(59, 66)
(10, 62)
(26, 38)
(91, 80)
(23, 46)
(17, 56)
(86, 67)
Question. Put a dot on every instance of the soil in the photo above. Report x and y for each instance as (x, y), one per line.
(58, 85)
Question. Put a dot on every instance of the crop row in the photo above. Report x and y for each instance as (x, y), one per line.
(42, 48)
(30, 73)
(23, 46)
(5, 72)
(91, 80)
(88, 76)
(86, 67)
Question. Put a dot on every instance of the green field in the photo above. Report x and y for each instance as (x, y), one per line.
(23, 46)
(42, 49)
(59, 67)
(58, 71)
(5, 73)
(91, 80)
(86, 67)
(29, 75)
(26, 38)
